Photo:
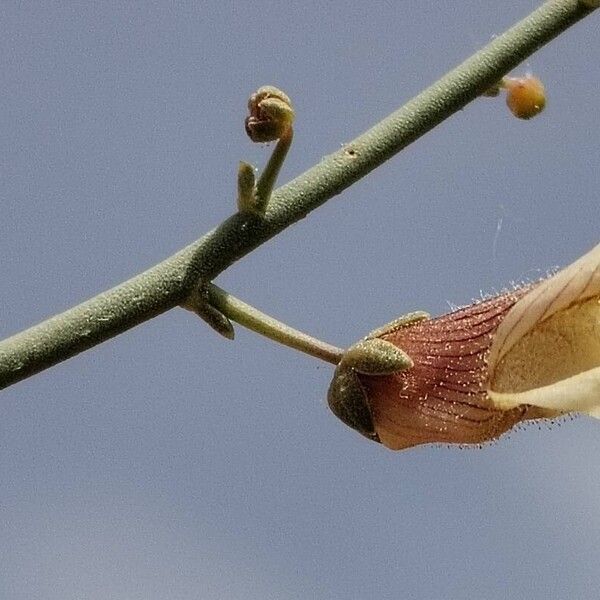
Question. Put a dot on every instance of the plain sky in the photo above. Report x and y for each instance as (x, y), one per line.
(169, 463)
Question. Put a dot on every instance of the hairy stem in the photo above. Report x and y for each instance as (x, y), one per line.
(167, 284)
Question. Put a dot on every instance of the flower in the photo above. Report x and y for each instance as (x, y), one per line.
(527, 354)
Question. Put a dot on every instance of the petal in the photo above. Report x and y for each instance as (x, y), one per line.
(580, 393)
(576, 283)
(546, 352)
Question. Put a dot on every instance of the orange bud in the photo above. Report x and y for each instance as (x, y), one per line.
(525, 96)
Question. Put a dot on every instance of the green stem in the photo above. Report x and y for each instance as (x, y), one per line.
(252, 318)
(167, 284)
(267, 179)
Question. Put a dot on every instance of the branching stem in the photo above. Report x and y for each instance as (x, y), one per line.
(168, 284)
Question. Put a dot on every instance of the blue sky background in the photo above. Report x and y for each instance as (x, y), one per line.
(169, 463)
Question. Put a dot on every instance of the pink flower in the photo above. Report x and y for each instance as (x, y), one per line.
(478, 371)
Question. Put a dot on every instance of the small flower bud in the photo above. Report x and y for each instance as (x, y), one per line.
(271, 114)
(525, 96)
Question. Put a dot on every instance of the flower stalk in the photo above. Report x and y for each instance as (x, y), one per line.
(271, 118)
(261, 323)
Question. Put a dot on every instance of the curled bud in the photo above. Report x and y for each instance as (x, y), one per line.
(525, 96)
(271, 114)
(475, 373)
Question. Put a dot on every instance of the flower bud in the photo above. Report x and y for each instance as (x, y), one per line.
(525, 96)
(271, 114)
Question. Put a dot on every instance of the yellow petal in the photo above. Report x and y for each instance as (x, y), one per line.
(546, 352)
